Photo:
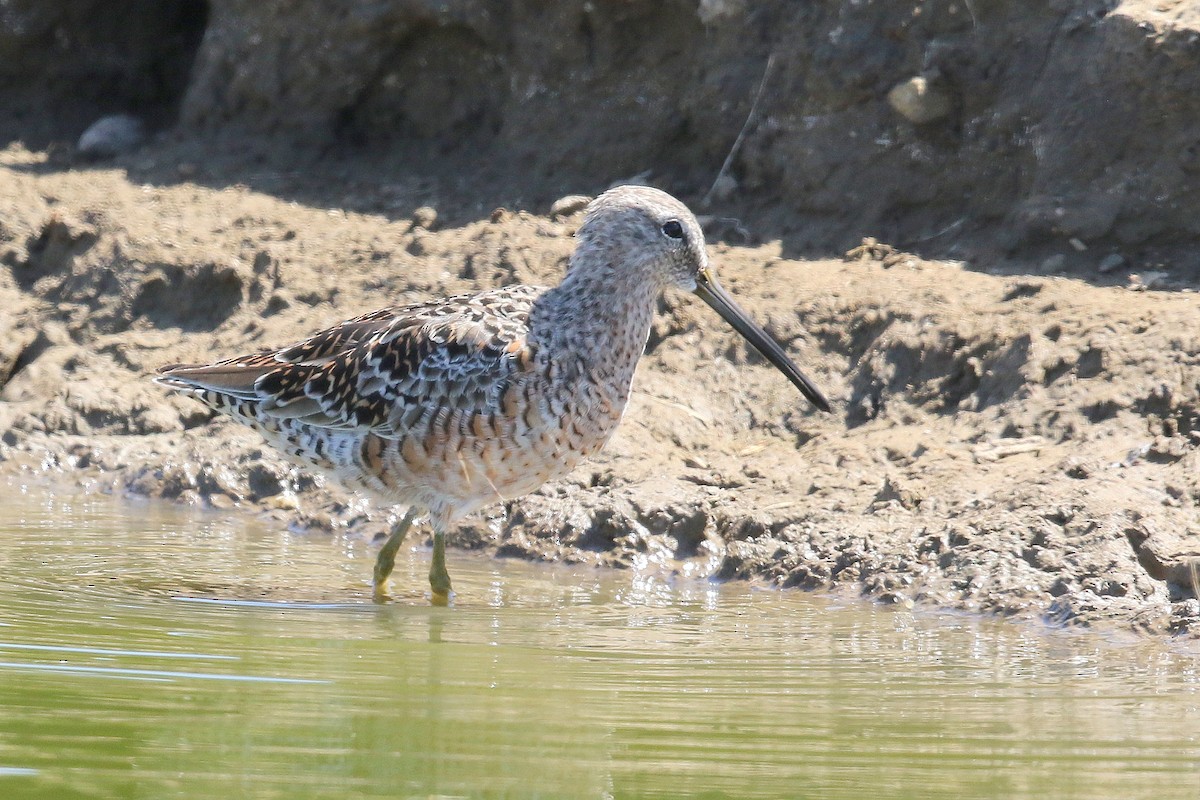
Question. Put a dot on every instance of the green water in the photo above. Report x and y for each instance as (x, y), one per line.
(149, 652)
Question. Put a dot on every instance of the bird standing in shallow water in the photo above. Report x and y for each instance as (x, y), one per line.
(453, 404)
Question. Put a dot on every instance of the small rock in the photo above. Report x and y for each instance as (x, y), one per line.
(424, 217)
(571, 204)
(285, 501)
(500, 215)
(1077, 244)
(111, 136)
(918, 101)
(1111, 263)
(1140, 282)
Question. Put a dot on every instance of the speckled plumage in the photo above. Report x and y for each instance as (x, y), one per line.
(455, 403)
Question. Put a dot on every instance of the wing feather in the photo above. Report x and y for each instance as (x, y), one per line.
(386, 370)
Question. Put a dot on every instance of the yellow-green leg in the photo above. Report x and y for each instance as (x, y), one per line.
(385, 562)
(439, 578)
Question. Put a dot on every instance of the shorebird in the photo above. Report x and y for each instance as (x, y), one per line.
(452, 404)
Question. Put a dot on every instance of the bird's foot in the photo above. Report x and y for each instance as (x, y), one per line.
(439, 583)
(379, 594)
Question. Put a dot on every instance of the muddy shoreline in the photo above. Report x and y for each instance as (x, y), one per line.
(1021, 445)
(972, 224)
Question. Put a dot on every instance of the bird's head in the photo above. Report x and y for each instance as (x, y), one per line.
(648, 234)
(646, 231)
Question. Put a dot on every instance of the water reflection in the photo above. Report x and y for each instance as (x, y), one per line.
(167, 654)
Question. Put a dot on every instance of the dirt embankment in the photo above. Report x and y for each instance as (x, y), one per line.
(980, 128)
(1017, 429)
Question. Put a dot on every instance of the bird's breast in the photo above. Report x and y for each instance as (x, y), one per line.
(472, 459)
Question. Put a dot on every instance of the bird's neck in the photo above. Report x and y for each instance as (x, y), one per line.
(601, 316)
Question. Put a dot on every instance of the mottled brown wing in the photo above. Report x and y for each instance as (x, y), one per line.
(385, 370)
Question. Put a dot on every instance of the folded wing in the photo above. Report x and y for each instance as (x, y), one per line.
(385, 371)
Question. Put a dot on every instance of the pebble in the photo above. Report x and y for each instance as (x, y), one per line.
(285, 501)
(425, 217)
(918, 101)
(1111, 263)
(111, 136)
(1140, 282)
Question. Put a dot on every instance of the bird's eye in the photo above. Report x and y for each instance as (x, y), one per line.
(673, 229)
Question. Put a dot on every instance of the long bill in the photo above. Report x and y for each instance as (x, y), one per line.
(715, 295)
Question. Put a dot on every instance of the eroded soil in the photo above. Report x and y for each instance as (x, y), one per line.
(1016, 444)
